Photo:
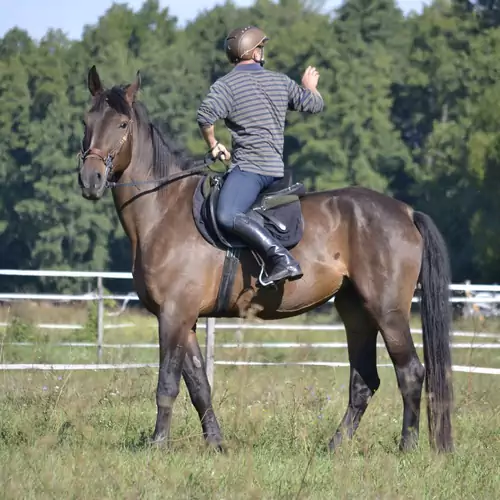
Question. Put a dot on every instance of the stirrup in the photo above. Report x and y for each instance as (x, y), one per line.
(262, 270)
(261, 279)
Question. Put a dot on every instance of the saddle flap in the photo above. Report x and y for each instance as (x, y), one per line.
(276, 201)
(297, 189)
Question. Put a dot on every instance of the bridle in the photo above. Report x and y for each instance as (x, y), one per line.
(107, 159)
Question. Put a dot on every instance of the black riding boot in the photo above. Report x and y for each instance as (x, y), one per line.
(279, 263)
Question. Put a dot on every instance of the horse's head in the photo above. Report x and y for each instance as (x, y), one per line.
(107, 143)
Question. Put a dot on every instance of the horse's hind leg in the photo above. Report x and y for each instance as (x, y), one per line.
(196, 380)
(390, 307)
(361, 342)
(395, 329)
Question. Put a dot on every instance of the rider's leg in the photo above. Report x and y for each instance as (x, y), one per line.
(239, 192)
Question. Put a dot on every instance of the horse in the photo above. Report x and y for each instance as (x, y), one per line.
(366, 249)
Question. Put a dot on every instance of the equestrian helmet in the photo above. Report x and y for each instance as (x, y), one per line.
(241, 42)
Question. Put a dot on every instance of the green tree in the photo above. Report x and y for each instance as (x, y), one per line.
(411, 109)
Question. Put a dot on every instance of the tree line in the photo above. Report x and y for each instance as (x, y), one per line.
(412, 109)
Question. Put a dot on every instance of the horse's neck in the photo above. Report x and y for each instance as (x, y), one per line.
(137, 211)
(138, 206)
(141, 208)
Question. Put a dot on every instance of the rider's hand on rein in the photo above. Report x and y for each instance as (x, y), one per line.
(220, 152)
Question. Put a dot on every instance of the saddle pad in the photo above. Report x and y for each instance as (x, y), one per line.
(290, 215)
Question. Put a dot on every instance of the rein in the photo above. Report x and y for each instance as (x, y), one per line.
(204, 165)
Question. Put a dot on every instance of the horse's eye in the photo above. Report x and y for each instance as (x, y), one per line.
(123, 125)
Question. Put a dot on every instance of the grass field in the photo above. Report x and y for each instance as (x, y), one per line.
(83, 434)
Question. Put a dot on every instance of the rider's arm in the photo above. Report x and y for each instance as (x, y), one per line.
(216, 106)
(302, 99)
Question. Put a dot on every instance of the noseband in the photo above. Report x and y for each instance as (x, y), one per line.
(107, 159)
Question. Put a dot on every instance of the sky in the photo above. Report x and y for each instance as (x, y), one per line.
(37, 16)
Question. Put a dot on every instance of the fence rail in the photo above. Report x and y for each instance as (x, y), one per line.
(128, 366)
(465, 287)
(246, 345)
(96, 296)
(210, 325)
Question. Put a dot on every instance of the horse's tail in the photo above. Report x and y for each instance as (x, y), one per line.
(435, 278)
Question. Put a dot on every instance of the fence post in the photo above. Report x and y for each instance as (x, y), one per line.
(210, 350)
(469, 307)
(100, 318)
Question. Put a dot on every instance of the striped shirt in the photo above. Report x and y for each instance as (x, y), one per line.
(253, 103)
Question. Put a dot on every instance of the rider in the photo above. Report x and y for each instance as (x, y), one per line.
(253, 103)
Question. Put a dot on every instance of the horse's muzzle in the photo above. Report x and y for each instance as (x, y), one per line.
(92, 182)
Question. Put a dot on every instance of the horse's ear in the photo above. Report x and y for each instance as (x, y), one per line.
(94, 82)
(133, 88)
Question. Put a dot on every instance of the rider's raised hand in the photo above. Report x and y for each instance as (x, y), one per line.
(310, 78)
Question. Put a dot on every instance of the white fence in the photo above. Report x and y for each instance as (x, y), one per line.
(482, 298)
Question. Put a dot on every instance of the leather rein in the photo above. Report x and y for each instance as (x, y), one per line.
(107, 159)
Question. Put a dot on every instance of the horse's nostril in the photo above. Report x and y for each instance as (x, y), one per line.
(98, 175)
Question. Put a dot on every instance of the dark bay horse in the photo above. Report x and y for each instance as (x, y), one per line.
(368, 250)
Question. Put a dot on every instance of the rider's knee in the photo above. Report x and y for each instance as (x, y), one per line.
(225, 218)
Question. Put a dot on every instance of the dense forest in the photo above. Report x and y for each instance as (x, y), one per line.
(412, 108)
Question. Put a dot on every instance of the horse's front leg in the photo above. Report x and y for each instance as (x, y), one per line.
(195, 377)
(174, 326)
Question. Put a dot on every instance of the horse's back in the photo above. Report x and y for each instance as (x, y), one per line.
(360, 208)
(364, 198)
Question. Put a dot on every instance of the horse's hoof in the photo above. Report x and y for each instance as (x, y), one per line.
(409, 442)
(217, 447)
(407, 446)
(159, 442)
(334, 443)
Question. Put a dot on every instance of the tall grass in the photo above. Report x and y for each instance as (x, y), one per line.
(84, 434)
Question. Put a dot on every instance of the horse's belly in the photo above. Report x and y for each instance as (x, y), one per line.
(317, 285)
(312, 289)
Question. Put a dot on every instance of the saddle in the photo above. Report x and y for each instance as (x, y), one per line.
(277, 208)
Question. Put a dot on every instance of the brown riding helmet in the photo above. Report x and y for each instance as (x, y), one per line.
(241, 42)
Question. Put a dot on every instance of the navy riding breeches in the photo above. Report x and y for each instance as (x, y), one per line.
(238, 194)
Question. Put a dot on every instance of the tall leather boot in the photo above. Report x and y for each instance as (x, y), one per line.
(280, 263)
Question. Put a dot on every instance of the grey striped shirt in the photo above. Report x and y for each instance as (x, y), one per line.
(253, 103)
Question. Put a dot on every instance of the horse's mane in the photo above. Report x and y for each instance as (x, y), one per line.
(168, 156)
